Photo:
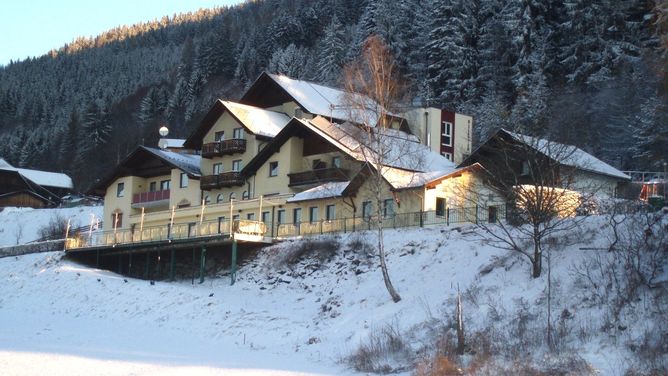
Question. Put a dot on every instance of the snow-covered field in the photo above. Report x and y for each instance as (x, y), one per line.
(62, 318)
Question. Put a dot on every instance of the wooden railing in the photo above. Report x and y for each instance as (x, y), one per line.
(225, 147)
(143, 197)
(320, 175)
(226, 179)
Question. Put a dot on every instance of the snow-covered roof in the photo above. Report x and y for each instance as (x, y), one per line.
(330, 102)
(327, 190)
(569, 155)
(259, 121)
(171, 142)
(402, 179)
(400, 150)
(43, 178)
(187, 162)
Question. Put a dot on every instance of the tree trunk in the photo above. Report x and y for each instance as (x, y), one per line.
(460, 325)
(537, 261)
(383, 266)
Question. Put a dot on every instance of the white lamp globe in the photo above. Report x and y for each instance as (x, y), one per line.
(163, 131)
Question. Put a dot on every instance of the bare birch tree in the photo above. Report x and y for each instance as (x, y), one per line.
(373, 91)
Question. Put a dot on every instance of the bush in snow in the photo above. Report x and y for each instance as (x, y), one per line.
(55, 229)
(383, 351)
(289, 254)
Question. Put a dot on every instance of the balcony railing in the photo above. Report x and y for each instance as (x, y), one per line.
(225, 147)
(226, 179)
(150, 197)
(318, 176)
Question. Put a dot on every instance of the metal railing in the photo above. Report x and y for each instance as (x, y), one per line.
(275, 230)
(139, 198)
(646, 176)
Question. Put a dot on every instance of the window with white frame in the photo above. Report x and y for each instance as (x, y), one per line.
(447, 156)
(164, 185)
(446, 133)
(236, 165)
(220, 198)
(183, 180)
(217, 168)
(120, 190)
(273, 168)
(238, 133)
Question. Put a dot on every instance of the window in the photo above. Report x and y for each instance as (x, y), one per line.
(313, 214)
(336, 162)
(219, 136)
(192, 229)
(366, 209)
(184, 180)
(236, 165)
(250, 216)
(117, 219)
(120, 190)
(388, 208)
(447, 156)
(280, 216)
(217, 168)
(318, 164)
(265, 217)
(207, 200)
(233, 196)
(235, 217)
(446, 134)
(273, 168)
(152, 187)
(245, 195)
(440, 206)
(220, 198)
(221, 224)
(526, 169)
(492, 215)
(297, 215)
(238, 133)
(164, 185)
(330, 212)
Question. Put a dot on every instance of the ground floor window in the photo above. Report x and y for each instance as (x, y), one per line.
(297, 215)
(440, 206)
(366, 209)
(330, 212)
(313, 214)
(388, 208)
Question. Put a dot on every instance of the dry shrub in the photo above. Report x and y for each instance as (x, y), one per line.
(384, 351)
(55, 229)
(320, 250)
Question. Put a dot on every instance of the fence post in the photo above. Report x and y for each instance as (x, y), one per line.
(202, 263)
(321, 226)
(344, 225)
(421, 219)
(447, 217)
(233, 274)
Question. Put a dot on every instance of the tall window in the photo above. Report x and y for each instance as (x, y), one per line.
(388, 208)
(238, 133)
(152, 187)
(217, 168)
(120, 190)
(184, 180)
(297, 215)
(219, 136)
(236, 165)
(440, 206)
(221, 224)
(164, 185)
(117, 219)
(265, 216)
(330, 212)
(273, 168)
(280, 216)
(313, 214)
(366, 209)
(446, 133)
(245, 195)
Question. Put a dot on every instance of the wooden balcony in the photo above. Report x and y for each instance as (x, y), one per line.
(149, 199)
(317, 176)
(225, 147)
(226, 179)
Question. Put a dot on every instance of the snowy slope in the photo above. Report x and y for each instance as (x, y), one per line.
(21, 225)
(281, 319)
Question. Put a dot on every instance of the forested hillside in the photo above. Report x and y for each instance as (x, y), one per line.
(588, 72)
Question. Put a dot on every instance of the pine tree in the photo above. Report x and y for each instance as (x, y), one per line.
(332, 53)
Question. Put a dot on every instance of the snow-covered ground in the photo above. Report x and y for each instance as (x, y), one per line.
(59, 317)
(21, 225)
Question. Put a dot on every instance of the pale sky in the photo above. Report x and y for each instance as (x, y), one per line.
(34, 27)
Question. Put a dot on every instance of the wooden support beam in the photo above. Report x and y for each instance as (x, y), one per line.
(202, 263)
(233, 274)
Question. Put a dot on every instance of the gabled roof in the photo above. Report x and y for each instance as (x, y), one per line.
(313, 98)
(568, 155)
(403, 150)
(149, 162)
(43, 178)
(14, 182)
(257, 121)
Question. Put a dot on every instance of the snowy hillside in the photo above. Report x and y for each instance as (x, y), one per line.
(21, 225)
(291, 315)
